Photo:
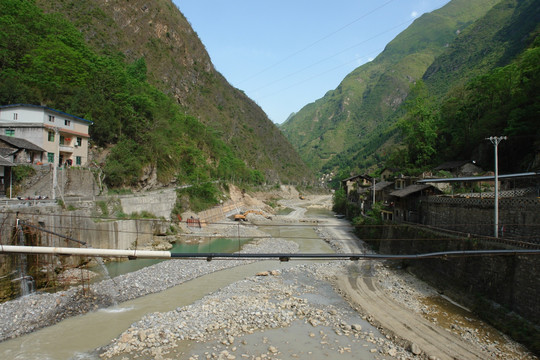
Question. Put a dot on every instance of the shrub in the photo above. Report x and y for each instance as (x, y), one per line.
(22, 172)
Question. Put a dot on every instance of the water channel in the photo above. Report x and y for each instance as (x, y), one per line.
(77, 336)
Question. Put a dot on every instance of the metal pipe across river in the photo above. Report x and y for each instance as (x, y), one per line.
(149, 254)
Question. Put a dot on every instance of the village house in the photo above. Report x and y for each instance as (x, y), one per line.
(356, 185)
(460, 168)
(406, 202)
(62, 137)
(5, 174)
(20, 151)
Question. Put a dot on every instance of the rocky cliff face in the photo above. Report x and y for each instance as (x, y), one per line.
(179, 65)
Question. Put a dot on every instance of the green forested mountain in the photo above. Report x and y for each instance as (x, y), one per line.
(139, 71)
(354, 126)
(486, 83)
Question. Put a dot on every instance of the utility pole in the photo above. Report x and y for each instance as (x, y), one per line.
(495, 141)
(373, 192)
(55, 163)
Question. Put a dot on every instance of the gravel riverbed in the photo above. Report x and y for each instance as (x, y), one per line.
(285, 312)
(38, 310)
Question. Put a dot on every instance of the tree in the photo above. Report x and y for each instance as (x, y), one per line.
(419, 126)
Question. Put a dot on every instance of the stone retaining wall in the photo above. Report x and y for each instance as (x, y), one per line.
(510, 281)
(519, 218)
(220, 212)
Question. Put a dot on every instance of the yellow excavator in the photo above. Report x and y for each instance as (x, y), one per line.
(243, 216)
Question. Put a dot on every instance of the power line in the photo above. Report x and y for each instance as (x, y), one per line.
(516, 242)
(334, 55)
(319, 222)
(315, 42)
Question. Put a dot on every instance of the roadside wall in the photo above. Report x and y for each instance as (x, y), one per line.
(519, 218)
(510, 281)
(159, 203)
(107, 234)
(76, 182)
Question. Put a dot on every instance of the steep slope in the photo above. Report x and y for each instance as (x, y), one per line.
(179, 65)
(493, 41)
(355, 116)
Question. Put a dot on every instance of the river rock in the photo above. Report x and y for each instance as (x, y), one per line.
(415, 349)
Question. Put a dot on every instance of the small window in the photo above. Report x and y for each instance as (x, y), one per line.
(78, 160)
(10, 132)
(50, 157)
(79, 141)
(67, 122)
(51, 118)
(51, 136)
(62, 140)
(15, 116)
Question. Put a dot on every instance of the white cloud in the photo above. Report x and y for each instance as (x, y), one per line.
(414, 14)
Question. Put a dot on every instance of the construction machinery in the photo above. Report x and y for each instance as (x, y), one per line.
(243, 216)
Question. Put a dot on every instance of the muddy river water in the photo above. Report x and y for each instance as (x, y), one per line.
(77, 337)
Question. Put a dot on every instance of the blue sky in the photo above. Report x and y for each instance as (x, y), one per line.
(285, 54)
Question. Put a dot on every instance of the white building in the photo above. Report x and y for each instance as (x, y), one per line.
(64, 137)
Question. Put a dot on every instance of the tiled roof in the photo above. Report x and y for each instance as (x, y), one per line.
(409, 190)
(5, 162)
(20, 143)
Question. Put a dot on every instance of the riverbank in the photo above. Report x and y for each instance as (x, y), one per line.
(294, 310)
(38, 310)
(383, 317)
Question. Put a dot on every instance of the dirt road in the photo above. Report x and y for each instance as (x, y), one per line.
(359, 285)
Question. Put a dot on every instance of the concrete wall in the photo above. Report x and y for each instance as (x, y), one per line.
(159, 203)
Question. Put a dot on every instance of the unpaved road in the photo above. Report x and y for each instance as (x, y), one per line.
(359, 286)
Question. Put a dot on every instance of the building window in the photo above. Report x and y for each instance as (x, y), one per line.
(67, 122)
(79, 141)
(62, 140)
(50, 157)
(51, 136)
(10, 132)
(15, 116)
(78, 160)
(51, 118)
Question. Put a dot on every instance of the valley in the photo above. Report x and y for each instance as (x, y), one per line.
(247, 310)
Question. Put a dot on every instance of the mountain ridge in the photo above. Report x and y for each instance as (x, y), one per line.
(359, 108)
(179, 65)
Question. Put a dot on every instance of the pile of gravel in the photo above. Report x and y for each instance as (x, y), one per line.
(258, 303)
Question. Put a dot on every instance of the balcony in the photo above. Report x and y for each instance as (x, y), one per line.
(66, 148)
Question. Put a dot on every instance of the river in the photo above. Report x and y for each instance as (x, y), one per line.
(76, 337)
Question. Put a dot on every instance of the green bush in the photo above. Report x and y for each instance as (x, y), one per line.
(339, 201)
(22, 172)
(201, 197)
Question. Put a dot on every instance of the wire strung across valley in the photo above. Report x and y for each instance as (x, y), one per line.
(132, 254)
